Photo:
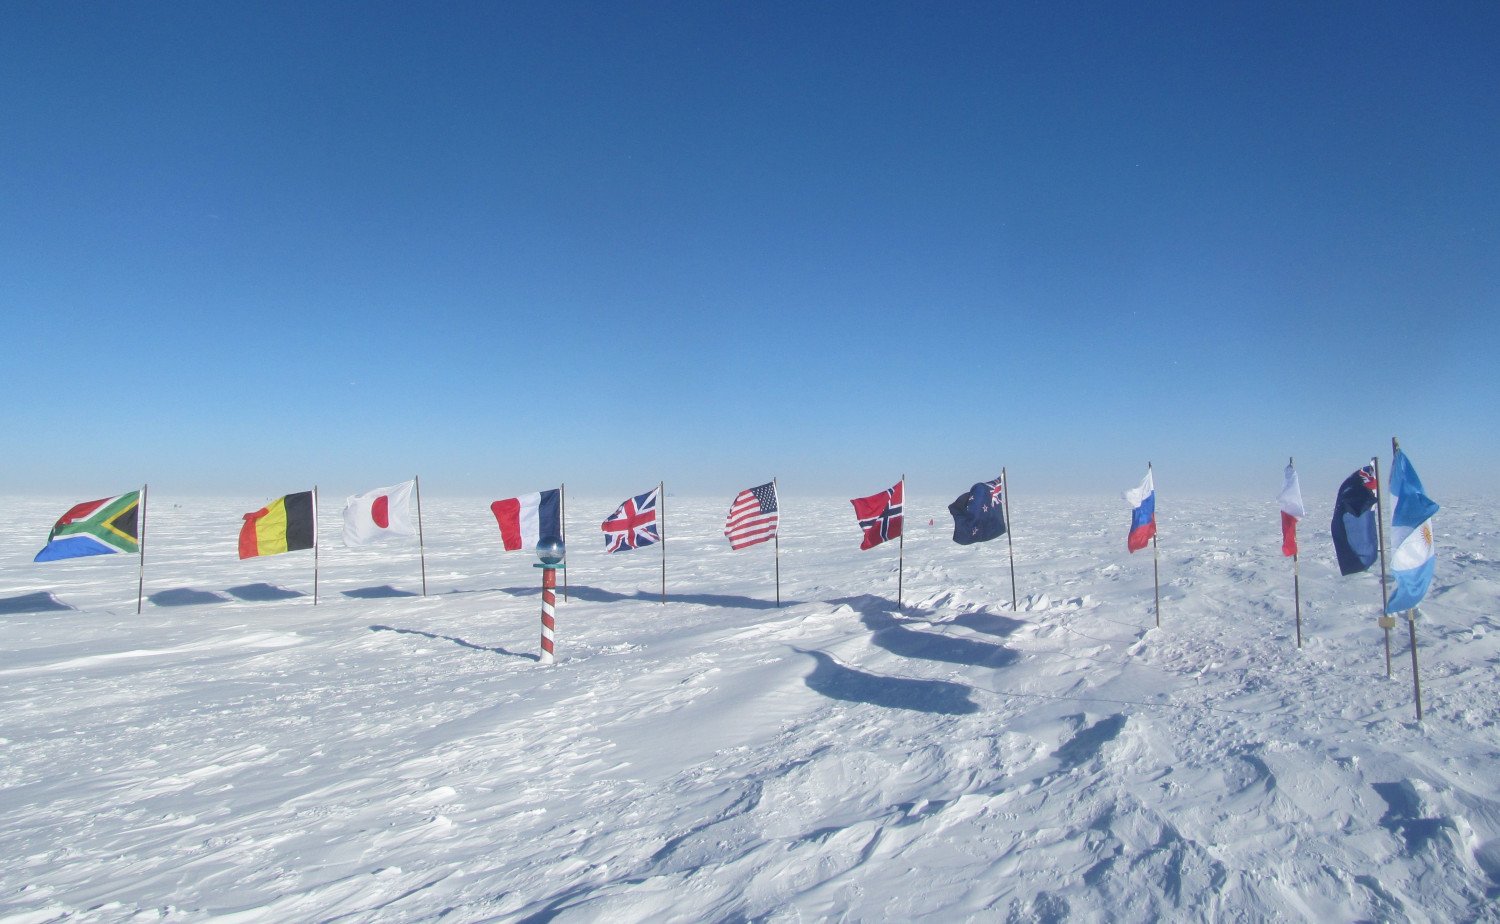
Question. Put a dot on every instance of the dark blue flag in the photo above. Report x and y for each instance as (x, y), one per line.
(979, 514)
(1355, 532)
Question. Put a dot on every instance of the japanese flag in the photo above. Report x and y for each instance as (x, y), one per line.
(377, 514)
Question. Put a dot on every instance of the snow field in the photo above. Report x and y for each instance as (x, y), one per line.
(236, 753)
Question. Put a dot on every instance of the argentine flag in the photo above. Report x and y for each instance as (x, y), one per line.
(1411, 537)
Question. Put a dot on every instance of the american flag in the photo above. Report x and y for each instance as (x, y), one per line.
(633, 524)
(752, 516)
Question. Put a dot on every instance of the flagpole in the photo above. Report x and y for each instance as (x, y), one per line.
(1296, 582)
(1411, 619)
(140, 586)
(1009, 528)
(776, 538)
(661, 502)
(901, 545)
(1155, 557)
(1385, 623)
(315, 545)
(562, 519)
(421, 542)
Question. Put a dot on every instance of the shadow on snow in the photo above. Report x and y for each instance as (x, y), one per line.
(384, 591)
(39, 602)
(888, 632)
(464, 643)
(599, 595)
(836, 681)
(262, 592)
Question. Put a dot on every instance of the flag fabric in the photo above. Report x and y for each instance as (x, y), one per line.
(979, 513)
(1142, 501)
(98, 527)
(1356, 535)
(530, 520)
(1291, 511)
(1412, 552)
(633, 524)
(879, 515)
(378, 514)
(752, 517)
(286, 524)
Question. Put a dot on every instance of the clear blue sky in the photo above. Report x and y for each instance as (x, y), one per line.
(245, 247)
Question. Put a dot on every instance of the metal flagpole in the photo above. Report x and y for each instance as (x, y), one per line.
(901, 554)
(1155, 560)
(1009, 528)
(1411, 619)
(140, 585)
(776, 538)
(1385, 622)
(1296, 583)
(562, 519)
(315, 545)
(421, 543)
(661, 517)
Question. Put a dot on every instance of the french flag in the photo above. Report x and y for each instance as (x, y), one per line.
(529, 520)
(1142, 501)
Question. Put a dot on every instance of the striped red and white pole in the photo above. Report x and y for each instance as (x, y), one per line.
(549, 607)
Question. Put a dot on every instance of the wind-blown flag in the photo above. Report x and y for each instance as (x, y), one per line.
(979, 513)
(752, 517)
(879, 515)
(1142, 501)
(378, 514)
(1291, 511)
(633, 524)
(1356, 539)
(1412, 552)
(529, 520)
(286, 524)
(99, 527)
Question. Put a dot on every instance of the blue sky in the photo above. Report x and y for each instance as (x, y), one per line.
(248, 247)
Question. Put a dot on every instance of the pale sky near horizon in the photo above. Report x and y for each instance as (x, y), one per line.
(245, 248)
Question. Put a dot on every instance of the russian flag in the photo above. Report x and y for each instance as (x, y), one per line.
(1142, 501)
(528, 520)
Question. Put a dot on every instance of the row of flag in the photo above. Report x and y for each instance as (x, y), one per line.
(289, 523)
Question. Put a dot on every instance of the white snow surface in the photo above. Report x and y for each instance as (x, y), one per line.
(235, 753)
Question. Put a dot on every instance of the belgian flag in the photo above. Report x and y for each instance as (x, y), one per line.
(287, 524)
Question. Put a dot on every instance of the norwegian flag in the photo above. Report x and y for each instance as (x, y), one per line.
(633, 524)
(879, 515)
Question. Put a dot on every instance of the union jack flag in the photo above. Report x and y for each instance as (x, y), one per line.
(633, 524)
(997, 490)
(1367, 475)
(879, 515)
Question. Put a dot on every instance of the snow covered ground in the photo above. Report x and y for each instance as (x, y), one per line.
(236, 753)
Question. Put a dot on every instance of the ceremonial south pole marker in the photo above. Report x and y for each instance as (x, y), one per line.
(551, 554)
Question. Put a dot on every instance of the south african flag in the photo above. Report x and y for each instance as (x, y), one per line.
(100, 527)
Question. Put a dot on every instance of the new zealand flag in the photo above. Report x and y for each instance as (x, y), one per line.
(979, 514)
(1355, 532)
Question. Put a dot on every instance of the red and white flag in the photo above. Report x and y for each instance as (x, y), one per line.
(1291, 511)
(752, 516)
(376, 514)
